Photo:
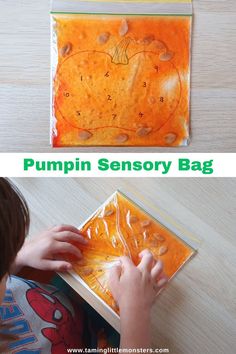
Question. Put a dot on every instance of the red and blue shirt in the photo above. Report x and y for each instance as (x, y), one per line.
(42, 318)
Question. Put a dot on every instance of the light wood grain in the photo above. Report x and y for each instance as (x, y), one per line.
(197, 311)
(24, 78)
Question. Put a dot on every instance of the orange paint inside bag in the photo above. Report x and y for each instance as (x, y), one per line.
(118, 228)
(121, 81)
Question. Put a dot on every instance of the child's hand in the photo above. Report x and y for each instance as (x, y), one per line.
(47, 250)
(136, 288)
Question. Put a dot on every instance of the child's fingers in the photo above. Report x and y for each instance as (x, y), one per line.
(62, 227)
(57, 266)
(114, 279)
(126, 262)
(64, 247)
(115, 274)
(163, 276)
(157, 270)
(162, 282)
(69, 236)
(146, 262)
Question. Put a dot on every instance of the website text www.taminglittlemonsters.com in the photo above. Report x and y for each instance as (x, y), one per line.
(117, 350)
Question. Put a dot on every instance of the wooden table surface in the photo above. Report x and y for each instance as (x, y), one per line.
(196, 313)
(24, 77)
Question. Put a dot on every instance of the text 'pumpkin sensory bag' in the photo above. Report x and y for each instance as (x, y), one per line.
(120, 227)
(120, 73)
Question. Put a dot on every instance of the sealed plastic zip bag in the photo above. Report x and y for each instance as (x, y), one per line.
(120, 227)
(120, 73)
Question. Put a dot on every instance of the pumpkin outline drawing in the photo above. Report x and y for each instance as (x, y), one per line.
(118, 58)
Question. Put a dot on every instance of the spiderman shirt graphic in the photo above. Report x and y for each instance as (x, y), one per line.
(42, 318)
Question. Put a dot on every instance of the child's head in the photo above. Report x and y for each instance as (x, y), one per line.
(14, 225)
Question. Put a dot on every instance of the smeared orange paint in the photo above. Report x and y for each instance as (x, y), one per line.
(106, 90)
(120, 228)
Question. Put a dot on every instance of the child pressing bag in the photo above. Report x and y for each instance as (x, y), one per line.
(120, 73)
(120, 227)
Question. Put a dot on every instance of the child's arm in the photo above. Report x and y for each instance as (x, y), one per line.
(47, 251)
(135, 290)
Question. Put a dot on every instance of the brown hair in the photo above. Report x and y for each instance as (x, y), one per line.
(14, 226)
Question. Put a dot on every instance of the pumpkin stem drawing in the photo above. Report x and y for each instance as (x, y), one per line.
(120, 54)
